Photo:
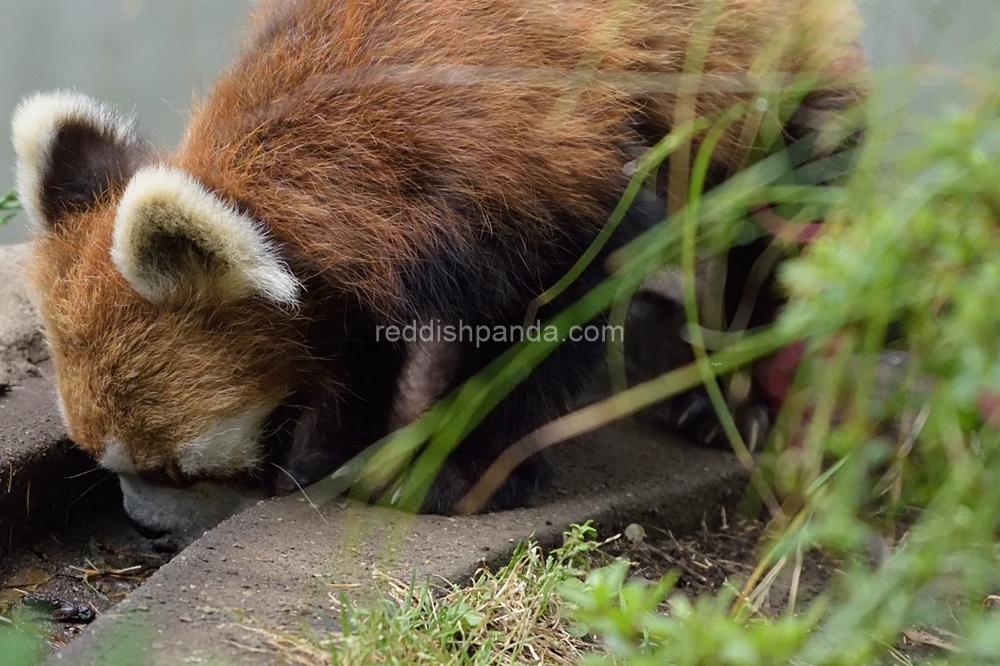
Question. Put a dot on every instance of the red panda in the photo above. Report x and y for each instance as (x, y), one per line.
(364, 164)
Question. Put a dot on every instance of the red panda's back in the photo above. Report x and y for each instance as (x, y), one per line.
(348, 125)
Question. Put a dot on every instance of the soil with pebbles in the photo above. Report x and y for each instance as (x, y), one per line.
(60, 580)
(708, 559)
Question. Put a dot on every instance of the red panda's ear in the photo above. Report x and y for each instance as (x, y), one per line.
(70, 151)
(175, 239)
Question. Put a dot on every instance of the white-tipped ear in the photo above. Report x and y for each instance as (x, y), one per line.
(70, 149)
(172, 236)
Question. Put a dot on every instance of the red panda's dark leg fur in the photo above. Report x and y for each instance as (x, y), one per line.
(321, 427)
(549, 390)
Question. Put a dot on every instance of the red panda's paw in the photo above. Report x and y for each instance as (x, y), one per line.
(655, 344)
(693, 417)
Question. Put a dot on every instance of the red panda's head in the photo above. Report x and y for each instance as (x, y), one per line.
(170, 314)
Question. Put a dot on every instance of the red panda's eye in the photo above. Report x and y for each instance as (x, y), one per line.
(169, 475)
(176, 476)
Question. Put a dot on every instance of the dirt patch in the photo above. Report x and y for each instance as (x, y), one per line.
(710, 558)
(62, 579)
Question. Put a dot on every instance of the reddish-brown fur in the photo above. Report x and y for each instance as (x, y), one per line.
(351, 129)
(513, 104)
(133, 369)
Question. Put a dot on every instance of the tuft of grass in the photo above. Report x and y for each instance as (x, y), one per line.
(510, 616)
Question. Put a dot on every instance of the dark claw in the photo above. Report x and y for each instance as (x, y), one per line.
(693, 417)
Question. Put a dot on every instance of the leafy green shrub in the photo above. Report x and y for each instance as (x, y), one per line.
(902, 478)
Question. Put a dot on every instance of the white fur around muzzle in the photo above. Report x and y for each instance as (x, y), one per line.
(230, 448)
(185, 512)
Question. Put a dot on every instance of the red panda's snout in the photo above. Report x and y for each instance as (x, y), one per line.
(183, 467)
(172, 481)
(185, 513)
(207, 480)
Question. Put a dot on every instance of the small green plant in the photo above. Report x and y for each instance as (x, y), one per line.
(9, 206)
(628, 615)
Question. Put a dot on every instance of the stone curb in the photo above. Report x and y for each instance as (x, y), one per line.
(277, 564)
(41, 473)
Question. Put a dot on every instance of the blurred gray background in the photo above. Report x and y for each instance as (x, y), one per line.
(153, 56)
(146, 56)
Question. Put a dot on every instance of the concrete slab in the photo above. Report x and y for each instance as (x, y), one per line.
(277, 564)
(22, 347)
(40, 470)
